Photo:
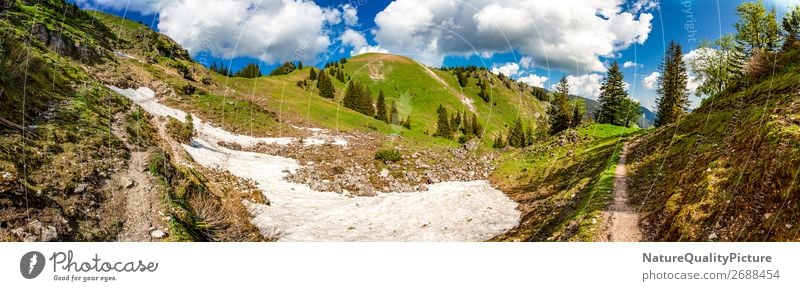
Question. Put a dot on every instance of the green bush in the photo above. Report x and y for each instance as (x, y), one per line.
(387, 155)
(182, 132)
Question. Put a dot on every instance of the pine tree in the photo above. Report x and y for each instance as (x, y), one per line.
(407, 122)
(381, 115)
(312, 74)
(366, 106)
(325, 86)
(443, 124)
(477, 128)
(249, 71)
(359, 98)
(673, 95)
(560, 111)
(466, 129)
(299, 65)
(283, 69)
(351, 95)
(499, 142)
(455, 124)
(578, 112)
(791, 27)
(516, 136)
(612, 93)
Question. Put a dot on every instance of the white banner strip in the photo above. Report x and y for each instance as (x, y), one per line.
(398, 266)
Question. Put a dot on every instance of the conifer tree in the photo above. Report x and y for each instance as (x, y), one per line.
(612, 94)
(673, 95)
(312, 74)
(477, 128)
(443, 123)
(466, 129)
(791, 27)
(325, 86)
(560, 111)
(499, 142)
(516, 136)
(381, 115)
(407, 122)
(365, 104)
(249, 71)
(578, 112)
(455, 124)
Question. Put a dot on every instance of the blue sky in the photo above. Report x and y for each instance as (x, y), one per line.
(536, 41)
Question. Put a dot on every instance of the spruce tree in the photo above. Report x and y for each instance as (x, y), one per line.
(351, 95)
(477, 128)
(673, 95)
(455, 124)
(381, 115)
(560, 111)
(443, 123)
(791, 27)
(312, 75)
(612, 94)
(578, 112)
(365, 105)
(516, 136)
(467, 128)
(325, 86)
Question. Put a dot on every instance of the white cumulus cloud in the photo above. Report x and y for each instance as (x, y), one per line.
(587, 85)
(357, 41)
(534, 80)
(560, 33)
(650, 82)
(508, 69)
(629, 64)
(271, 30)
(350, 15)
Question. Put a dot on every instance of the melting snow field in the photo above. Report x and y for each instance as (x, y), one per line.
(449, 211)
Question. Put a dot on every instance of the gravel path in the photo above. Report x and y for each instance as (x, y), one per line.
(621, 220)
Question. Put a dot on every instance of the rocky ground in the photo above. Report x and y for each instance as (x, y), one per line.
(342, 170)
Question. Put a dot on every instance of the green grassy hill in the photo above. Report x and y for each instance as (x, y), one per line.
(729, 170)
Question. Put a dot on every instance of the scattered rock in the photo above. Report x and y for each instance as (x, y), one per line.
(713, 236)
(130, 184)
(80, 188)
(384, 173)
(158, 234)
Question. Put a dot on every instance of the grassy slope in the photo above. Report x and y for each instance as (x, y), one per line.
(419, 94)
(66, 113)
(562, 189)
(728, 169)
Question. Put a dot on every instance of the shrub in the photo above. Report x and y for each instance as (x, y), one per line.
(189, 89)
(182, 132)
(387, 156)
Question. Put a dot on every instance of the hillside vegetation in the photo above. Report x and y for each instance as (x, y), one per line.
(727, 171)
(562, 184)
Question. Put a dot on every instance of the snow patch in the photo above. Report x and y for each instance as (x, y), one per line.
(450, 211)
(145, 97)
